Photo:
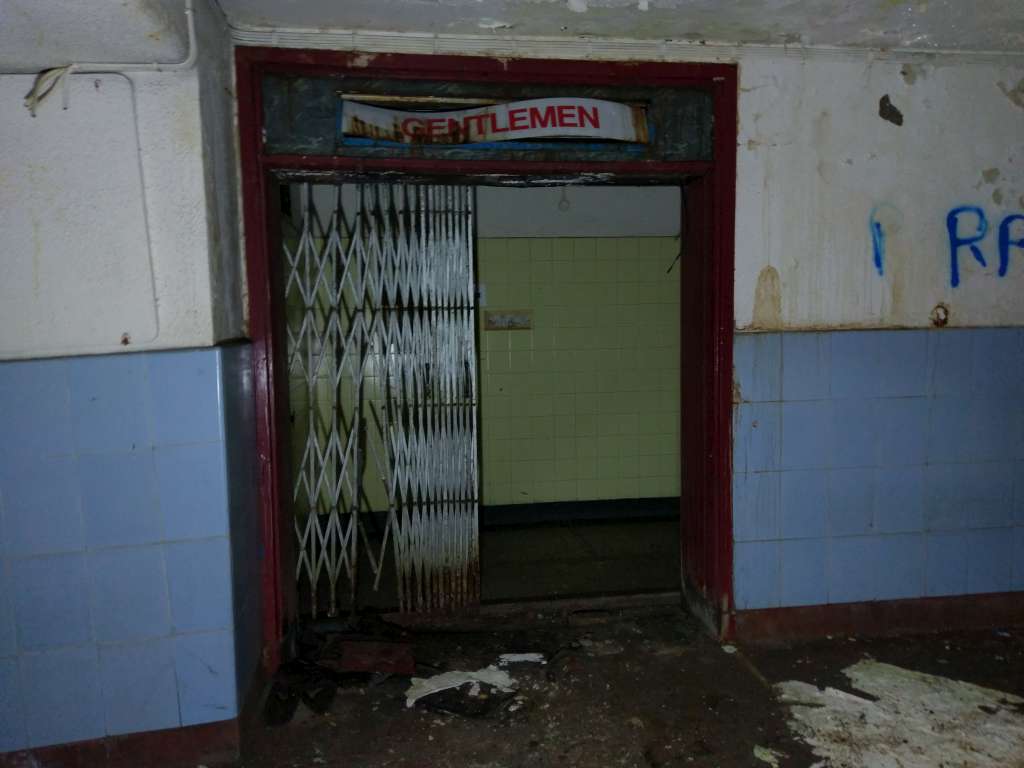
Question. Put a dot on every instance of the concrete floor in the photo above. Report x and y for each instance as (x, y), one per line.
(580, 558)
(639, 688)
(556, 560)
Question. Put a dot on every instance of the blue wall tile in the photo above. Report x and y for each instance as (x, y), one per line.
(757, 574)
(855, 432)
(756, 358)
(78, 470)
(899, 499)
(855, 358)
(988, 494)
(109, 403)
(61, 691)
(1018, 493)
(50, 598)
(35, 419)
(184, 388)
(1018, 558)
(950, 366)
(804, 574)
(853, 568)
(806, 435)
(944, 496)
(8, 630)
(902, 572)
(902, 436)
(989, 560)
(945, 563)
(948, 421)
(128, 594)
(206, 682)
(997, 369)
(916, 441)
(12, 718)
(42, 509)
(806, 366)
(119, 502)
(974, 430)
(804, 509)
(756, 437)
(199, 575)
(140, 692)
(192, 487)
(851, 501)
(755, 502)
(902, 364)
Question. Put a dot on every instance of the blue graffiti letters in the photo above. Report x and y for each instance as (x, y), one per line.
(1006, 241)
(878, 244)
(958, 241)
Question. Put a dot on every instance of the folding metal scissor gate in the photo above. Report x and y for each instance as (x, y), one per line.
(379, 300)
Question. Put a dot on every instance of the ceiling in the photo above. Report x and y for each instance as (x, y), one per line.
(35, 34)
(988, 25)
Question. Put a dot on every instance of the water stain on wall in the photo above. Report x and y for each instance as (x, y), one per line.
(990, 175)
(768, 299)
(911, 72)
(1015, 94)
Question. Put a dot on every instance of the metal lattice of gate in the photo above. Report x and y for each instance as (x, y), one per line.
(379, 302)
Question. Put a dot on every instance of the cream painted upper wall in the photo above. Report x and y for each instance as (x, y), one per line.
(815, 159)
(118, 223)
(818, 169)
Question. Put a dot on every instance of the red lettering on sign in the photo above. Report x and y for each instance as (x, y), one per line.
(545, 119)
(436, 126)
(412, 126)
(494, 125)
(479, 120)
(518, 119)
(594, 117)
(567, 117)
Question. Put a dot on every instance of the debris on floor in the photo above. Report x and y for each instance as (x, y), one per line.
(521, 658)
(426, 686)
(604, 647)
(767, 756)
(334, 657)
(908, 719)
(644, 687)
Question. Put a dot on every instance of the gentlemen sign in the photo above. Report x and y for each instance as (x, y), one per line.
(556, 118)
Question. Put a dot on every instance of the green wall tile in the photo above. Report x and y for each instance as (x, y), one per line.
(584, 405)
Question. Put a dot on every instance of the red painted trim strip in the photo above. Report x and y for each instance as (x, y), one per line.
(726, 128)
(882, 618)
(210, 743)
(622, 172)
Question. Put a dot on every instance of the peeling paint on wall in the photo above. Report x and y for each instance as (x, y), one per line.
(768, 299)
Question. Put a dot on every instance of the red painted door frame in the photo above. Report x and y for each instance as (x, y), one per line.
(707, 286)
